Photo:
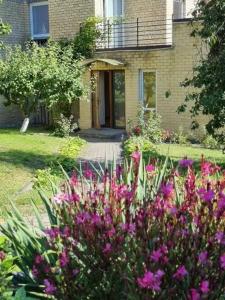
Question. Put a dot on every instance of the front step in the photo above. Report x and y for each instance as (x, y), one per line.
(103, 133)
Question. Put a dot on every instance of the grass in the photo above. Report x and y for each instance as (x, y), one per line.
(20, 156)
(177, 152)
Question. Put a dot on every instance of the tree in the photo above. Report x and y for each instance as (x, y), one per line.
(208, 79)
(40, 75)
(4, 27)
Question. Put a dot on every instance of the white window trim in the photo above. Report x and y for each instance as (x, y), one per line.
(141, 88)
(37, 36)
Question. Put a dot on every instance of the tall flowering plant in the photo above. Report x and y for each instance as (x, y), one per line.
(138, 232)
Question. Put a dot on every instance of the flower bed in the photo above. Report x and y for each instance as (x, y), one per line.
(154, 232)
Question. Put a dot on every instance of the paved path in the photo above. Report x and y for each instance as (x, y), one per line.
(98, 150)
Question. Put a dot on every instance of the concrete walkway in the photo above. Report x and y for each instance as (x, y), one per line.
(98, 151)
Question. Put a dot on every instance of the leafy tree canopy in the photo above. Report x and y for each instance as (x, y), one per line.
(40, 75)
(208, 96)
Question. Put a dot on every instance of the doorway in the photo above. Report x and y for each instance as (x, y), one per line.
(108, 101)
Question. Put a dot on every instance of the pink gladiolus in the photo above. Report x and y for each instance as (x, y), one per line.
(63, 259)
(89, 174)
(180, 273)
(150, 168)
(151, 281)
(204, 286)
(167, 190)
(220, 237)
(50, 288)
(156, 255)
(136, 156)
(222, 261)
(194, 295)
(107, 249)
(203, 256)
(205, 195)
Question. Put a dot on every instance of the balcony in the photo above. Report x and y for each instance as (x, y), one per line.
(135, 35)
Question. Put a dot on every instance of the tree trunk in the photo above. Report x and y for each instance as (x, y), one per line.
(25, 125)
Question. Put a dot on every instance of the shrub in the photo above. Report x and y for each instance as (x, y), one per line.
(139, 233)
(65, 126)
(210, 142)
(147, 125)
(140, 144)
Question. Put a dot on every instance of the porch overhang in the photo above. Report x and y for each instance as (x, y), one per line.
(109, 61)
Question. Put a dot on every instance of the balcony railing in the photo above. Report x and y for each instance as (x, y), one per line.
(135, 35)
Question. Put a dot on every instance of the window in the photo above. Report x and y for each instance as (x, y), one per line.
(39, 20)
(148, 89)
(179, 9)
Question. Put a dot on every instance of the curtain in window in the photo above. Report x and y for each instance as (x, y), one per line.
(40, 20)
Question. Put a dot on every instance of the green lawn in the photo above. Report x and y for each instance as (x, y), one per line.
(177, 152)
(20, 156)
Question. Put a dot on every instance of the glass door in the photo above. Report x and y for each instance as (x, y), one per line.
(119, 99)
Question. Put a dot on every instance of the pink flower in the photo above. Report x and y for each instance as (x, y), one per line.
(50, 288)
(205, 195)
(39, 259)
(63, 259)
(180, 273)
(194, 295)
(60, 198)
(82, 217)
(150, 168)
(167, 190)
(220, 237)
(156, 255)
(151, 281)
(203, 256)
(89, 174)
(107, 249)
(136, 156)
(204, 286)
(222, 261)
(186, 163)
(206, 168)
(2, 255)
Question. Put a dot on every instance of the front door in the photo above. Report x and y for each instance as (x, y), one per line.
(108, 101)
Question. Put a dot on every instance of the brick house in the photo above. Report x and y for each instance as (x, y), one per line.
(145, 54)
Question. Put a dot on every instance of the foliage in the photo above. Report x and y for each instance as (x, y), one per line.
(65, 126)
(147, 125)
(208, 80)
(6, 268)
(139, 233)
(210, 142)
(142, 144)
(40, 74)
(4, 28)
(169, 136)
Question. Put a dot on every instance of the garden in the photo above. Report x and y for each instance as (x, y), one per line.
(149, 227)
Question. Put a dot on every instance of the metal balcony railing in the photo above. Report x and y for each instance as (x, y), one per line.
(135, 35)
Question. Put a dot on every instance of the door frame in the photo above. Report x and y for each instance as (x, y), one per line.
(95, 107)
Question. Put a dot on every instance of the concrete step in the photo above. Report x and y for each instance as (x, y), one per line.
(103, 134)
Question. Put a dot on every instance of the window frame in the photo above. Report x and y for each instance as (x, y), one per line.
(141, 89)
(37, 36)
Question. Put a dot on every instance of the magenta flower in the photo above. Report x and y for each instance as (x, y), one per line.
(180, 273)
(150, 168)
(203, 257)
(2, 255)
(222, 261)
(89, 174)
(53, 233)
(204, 286)
(194, 295)
(39, 259)
(63, 259)
(167, 190)
(60, 198)
(205, 195)
(186, 163)
(206, 168)
(50, 288)
(220, 237)
(136, 156)
(107, 249)
(156, 255)
(82, 217)
(151, 281)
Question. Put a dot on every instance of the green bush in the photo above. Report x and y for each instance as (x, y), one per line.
(140, 144)
(210, 142)
(148, 125)
(65, 126)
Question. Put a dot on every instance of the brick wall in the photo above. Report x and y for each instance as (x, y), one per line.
(172, 66)
(65, 16)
